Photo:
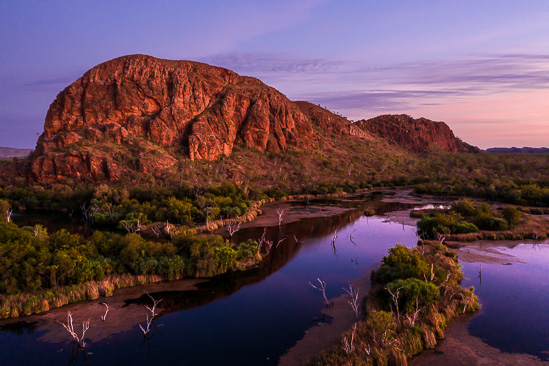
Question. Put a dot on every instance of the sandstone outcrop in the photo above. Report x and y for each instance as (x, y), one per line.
(198, 109)
(146, 115)
(420, 135)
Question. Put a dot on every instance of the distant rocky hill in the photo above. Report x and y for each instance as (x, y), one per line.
(518, 150)
(10, 152)
(420, 135)
(142, 114)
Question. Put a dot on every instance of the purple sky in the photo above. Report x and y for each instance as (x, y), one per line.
(480, 66)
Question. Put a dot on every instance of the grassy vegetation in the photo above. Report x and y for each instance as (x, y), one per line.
(465, 220)
(425, 282)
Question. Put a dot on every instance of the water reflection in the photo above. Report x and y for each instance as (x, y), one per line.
(515, 298)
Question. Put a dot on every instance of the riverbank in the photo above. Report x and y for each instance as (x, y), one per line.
(124, 313)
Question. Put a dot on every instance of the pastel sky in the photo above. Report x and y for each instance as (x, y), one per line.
(480, 66)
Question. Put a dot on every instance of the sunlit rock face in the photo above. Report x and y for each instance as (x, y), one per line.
(420, 135)
(197, 109)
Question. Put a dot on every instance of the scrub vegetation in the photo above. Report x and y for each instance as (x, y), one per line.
(466, 220)
(415, 293)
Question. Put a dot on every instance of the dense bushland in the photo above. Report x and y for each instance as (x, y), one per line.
(35, 262)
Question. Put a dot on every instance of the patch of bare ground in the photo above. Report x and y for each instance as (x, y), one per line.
(291, 213)
(324, 336)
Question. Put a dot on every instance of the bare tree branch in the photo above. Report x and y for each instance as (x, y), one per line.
(354, 303)
(321, 288)
(70, 328)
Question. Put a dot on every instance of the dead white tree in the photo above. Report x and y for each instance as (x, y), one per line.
(420, 240)
(466, 300)
(412, 317)
(168, 228)
(233, 227)
(432, 277)
(147, 328)
(368, 349)
(348, 346)
(104, 317)
(321, 288)
(153, 312)
(354, 303)
(395, 295)
(156, 230)
(280, 213)
(262, 240)
(153, 309)
(9, 212)
(441, 238)
(80, 340)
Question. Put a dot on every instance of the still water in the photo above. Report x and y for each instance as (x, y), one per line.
(515, 300)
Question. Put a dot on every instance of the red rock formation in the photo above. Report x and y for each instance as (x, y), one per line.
(419, 135)
(191, 106)
(329, 122)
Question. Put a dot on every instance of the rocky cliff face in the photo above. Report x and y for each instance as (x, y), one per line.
(420, 135)
(196, 109)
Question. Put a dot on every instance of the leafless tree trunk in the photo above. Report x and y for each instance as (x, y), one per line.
(70, 328)
(9, 212)
(395, 300)
(432, 275)
(420, 240)
(147, 328)
(466, 300)
(104, 317)
(354, 303)
(153, 312)
(156, 230)
(441, 238)
(413, 317)
(348, 346)
(280, 213)
(321, 288)
(155, 303)
(233, 228)
(168, 228)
